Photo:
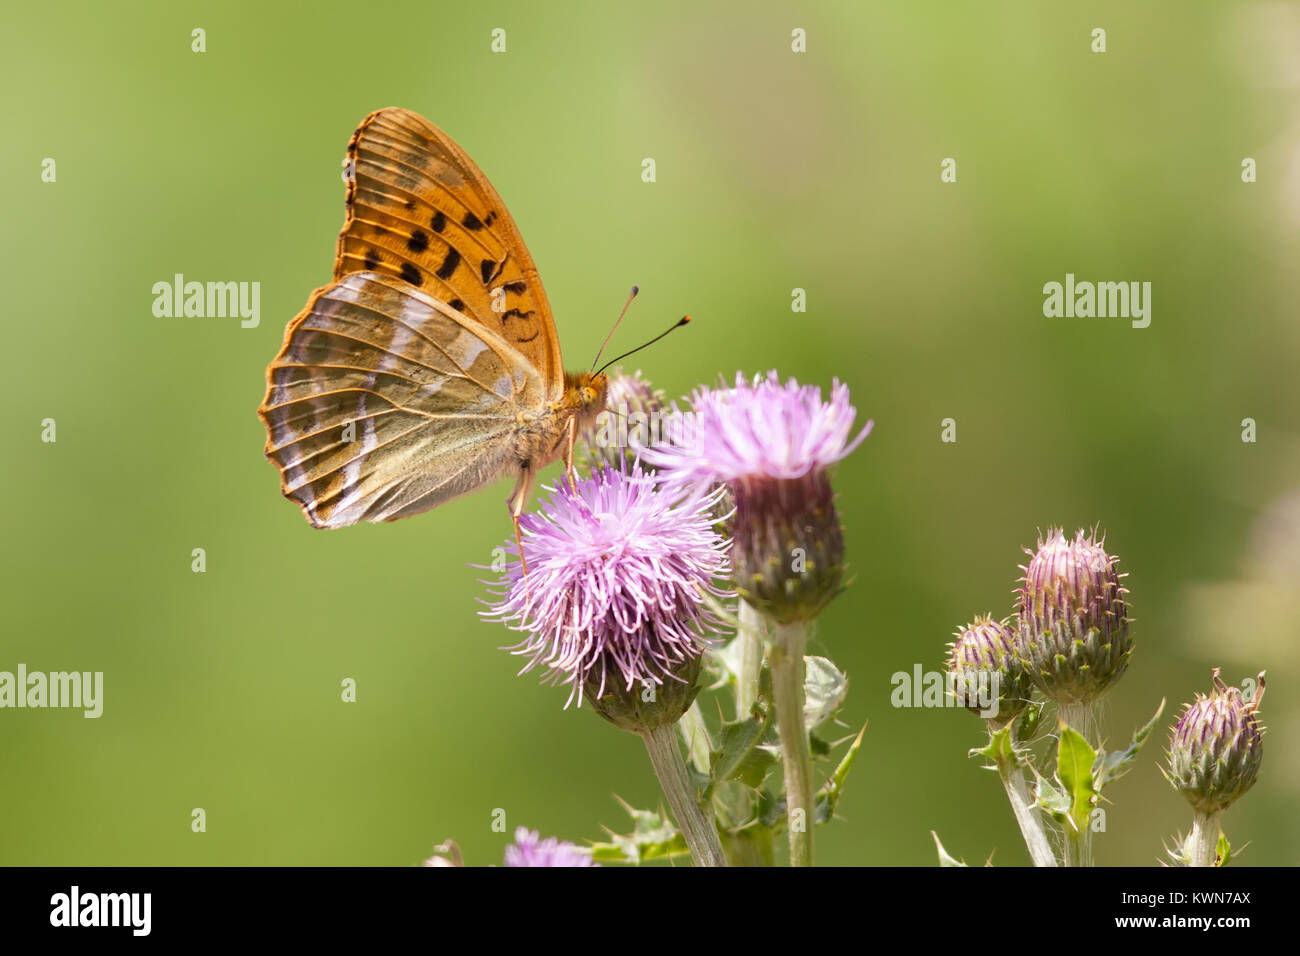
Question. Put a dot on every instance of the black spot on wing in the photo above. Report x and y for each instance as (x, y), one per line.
(439, 222)
(419, 241)
(457, 304)
(449, 264)
(471, 221)
(518, 287)
(372, 259)
(412, 274)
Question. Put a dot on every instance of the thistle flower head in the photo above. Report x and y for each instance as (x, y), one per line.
(1074, 626)
(760, 429)
(1217, 746)
(618, 576)
(529, 850)
(986, 675)
(771, 445)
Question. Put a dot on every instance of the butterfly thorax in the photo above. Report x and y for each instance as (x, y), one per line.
(540, 441)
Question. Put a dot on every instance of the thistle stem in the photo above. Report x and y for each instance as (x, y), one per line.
(786, 655)
(697, 825)
(1203, 842)
(1080, 718)
(750, 633)
(1013, 779)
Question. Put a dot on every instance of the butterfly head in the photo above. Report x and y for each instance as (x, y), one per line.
(584, 395)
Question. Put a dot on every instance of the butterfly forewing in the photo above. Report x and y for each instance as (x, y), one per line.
(384, 402)
(419, 209)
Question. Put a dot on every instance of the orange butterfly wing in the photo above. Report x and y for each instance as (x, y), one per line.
(418, 208)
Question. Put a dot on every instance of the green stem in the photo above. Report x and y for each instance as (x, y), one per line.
(1013, 779)
(1080, 718)
(788, 643)
(1203, 843)
(697, 826)
(750, 633)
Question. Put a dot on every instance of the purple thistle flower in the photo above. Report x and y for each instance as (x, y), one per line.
(529, 850)
(771, 445)
(617, 579)
(759, 429)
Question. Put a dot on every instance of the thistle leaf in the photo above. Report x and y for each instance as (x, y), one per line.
(825, 688)
(1112, 766)
(1054, 801)
(1223, 850)
(738, 754)
(945, 858)
(653, 837)
(1074, 761)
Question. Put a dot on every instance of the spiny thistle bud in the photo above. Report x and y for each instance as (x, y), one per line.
(1216, 747)
(649, 705)
(635, 417)
(1074, 626)
(985, 675)
(789, 549)
(771, 444)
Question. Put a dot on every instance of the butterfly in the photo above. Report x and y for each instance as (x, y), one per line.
(430, 366)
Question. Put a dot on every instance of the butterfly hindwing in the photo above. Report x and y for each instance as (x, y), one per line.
(384, 402)
(419, 209)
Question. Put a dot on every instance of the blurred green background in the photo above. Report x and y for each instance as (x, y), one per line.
(775, 171)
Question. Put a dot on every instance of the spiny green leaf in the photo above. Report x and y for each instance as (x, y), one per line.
(1112, 766)
(1074, 760)
(753, 770)
(1054, 801)
(738, 738)
(999, 750)
(825, 688)
(653, 837)
(833, 789)
(1223, 850)
(945, 858)
(695, 734)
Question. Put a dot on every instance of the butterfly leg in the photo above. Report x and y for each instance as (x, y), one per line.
(516, 503)
(570, 443)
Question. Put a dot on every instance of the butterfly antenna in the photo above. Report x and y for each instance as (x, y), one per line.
(635, 290)
(676, 325)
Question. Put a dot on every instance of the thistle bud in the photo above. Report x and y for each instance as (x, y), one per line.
(634, 414)
(985, 675)
(1074, 626)
(772, 445)
(788, 554)
(646, 705)
(1216, 747)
